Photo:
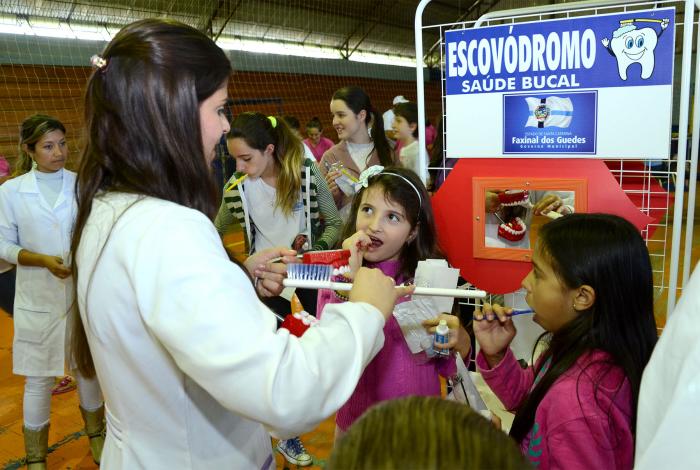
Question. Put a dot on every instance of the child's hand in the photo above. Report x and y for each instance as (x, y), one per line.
(55, 265)
(551, 202)
(494, 330)
(357, 244)
(491, 202)
(459, 338)
(331, 176)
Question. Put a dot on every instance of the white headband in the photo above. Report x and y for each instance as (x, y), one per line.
(363, 180)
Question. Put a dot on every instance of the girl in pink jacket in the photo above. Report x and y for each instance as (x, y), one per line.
(591, 288)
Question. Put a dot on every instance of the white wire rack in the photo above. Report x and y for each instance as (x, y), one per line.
(646, 183)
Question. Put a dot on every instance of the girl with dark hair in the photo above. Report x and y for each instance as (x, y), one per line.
(37, 209)
(391, 228)
(591, 289)
(405, 127)
(189, 358)
(315, 140)
(362, 144)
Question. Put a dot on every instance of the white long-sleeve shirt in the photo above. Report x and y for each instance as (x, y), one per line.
(190, 362)
(668, 408)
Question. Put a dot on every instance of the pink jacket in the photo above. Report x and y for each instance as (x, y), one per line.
(584, 420)
(395, 371)
(323, 146)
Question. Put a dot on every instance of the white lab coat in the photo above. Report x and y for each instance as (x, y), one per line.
(189, 360)
(668, 411)
(42, 300)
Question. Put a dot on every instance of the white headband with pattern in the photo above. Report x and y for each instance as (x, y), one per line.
(363, 180)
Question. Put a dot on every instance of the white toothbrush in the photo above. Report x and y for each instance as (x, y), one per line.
(317, 276)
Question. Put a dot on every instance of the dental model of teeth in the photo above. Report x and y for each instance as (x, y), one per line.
(299, 320)
(297, 323)
(514, 230)
(335, 258)
(514, 197)
(339, 259)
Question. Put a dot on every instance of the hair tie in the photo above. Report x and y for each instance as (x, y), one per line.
(98, 62)
(273, 121)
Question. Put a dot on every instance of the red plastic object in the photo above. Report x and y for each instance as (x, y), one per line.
(517, 225)
(513, 198)
(295, 325)
(454, 211)
(335, 258)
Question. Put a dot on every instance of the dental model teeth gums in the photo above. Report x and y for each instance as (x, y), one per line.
(514, 197)
(339, 259)
(298, 323)
(513, 231)
(299, 320)
(335, 258)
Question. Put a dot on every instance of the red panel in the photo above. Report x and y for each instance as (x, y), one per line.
(453, 211)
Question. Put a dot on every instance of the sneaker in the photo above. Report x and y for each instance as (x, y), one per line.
(294, 452)
(66, 384)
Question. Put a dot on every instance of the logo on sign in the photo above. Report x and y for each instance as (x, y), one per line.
(549, 112)
(630, 45)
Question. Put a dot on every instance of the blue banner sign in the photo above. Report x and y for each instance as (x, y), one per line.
(569, 80)
(632, 49)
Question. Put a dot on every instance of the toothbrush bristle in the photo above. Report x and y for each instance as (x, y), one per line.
(309, 272)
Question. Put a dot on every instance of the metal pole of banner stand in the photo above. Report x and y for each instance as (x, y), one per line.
(420, 91)
(682, 149)
(695, 134)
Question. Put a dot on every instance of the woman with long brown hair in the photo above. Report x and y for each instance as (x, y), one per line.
(189, 358)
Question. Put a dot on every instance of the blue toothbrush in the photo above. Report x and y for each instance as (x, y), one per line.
(512, 314)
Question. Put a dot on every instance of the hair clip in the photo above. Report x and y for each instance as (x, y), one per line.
(363, 179)
(98, 62)
(273, 121)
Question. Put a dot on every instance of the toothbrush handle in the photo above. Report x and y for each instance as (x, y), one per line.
(459, 293)
(344, 286)
(313, 284)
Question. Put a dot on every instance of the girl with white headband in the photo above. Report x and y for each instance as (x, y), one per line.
(391, 227)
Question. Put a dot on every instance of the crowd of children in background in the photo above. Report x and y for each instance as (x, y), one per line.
(590, 287)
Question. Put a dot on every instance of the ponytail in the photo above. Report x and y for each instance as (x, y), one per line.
(289, 155)
(381, 145)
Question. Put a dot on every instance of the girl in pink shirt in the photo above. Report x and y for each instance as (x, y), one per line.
(316, 142)
(391, 228)
(591, 289)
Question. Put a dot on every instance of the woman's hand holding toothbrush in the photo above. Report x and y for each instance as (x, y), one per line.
(269, 268)
(373, 287)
